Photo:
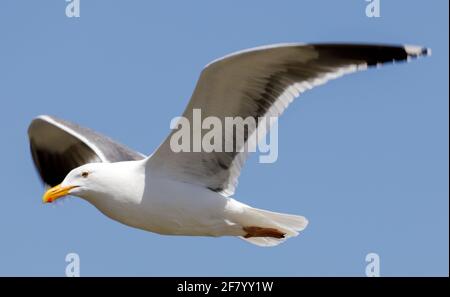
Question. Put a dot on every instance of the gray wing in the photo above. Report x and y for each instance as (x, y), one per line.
(58, 146)
(261, 82)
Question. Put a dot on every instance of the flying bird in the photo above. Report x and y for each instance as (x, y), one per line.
(189, 193)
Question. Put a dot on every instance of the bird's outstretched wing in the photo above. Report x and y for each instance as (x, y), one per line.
(261, 82)
(58, 146)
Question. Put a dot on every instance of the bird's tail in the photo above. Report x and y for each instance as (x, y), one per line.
(286, 224)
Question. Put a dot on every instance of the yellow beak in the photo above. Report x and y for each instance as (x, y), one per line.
(56, 192)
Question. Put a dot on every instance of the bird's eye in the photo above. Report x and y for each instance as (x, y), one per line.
(85, 174)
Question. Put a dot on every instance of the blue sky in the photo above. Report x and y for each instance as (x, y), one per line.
(365, 157)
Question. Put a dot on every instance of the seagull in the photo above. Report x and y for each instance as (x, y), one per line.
(190, 193)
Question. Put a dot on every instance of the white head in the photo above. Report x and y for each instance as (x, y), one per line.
(92, 181)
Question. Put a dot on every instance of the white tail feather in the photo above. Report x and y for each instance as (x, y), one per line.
(286, 223)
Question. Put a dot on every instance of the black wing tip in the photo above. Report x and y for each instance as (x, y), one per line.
(396, 54)
(400, 54)
(373, 54)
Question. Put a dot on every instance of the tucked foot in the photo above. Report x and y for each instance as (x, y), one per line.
(262, 232)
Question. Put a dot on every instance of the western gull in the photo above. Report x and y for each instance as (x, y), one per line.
(189, 193)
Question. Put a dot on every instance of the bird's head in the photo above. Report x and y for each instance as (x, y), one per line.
(81, 181)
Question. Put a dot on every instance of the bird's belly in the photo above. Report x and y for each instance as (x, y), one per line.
(168, 209)
(175, 221)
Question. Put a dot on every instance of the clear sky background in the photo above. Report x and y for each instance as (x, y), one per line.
(365, 157)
